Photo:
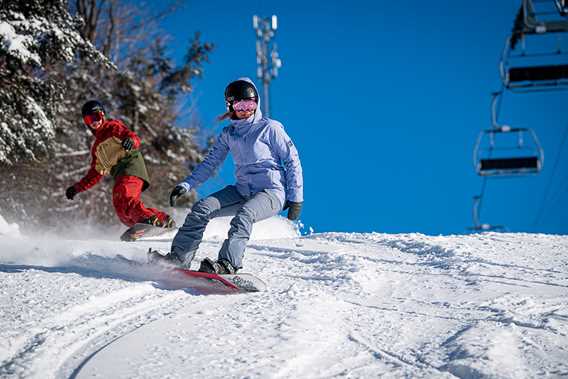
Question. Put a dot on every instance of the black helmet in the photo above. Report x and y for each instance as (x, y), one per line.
(91, 107)
(240, 90)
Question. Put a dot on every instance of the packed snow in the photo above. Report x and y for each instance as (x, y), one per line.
(337, 305)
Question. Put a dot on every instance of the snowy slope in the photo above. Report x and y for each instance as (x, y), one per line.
(338, 304)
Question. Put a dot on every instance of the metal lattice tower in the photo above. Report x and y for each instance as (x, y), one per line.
(266, 55)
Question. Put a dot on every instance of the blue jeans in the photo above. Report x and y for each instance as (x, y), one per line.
(226, 202)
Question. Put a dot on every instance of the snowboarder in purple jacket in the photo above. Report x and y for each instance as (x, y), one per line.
(269, 179)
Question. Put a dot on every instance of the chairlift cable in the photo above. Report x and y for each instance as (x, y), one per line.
(562, 188)
(551, 178)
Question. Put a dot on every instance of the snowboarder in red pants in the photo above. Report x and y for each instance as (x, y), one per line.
(115, 152)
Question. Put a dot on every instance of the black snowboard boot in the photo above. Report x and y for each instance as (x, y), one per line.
(221, 267)
(169, 259)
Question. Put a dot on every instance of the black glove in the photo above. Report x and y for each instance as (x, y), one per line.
(127, 144)
(178, 191)
(294, 209)
(70, 192)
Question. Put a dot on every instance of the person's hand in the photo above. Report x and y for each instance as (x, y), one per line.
(70, 192)
(127, 144)
(178, 191)
(294, 209)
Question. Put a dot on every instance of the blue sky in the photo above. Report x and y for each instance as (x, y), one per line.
(384, 100)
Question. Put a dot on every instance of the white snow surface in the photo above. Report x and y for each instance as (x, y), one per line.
(337, 305)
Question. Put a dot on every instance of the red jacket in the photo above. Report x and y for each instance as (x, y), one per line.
(109, 129)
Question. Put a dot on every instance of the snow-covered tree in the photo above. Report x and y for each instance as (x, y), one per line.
(54, 57)
(34, 36)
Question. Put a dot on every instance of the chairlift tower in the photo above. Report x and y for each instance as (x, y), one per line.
(266, 55)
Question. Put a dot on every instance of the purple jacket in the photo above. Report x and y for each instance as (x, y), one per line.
(265, 159)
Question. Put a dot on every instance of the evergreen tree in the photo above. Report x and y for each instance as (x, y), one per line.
(51, 62)
(34, 37)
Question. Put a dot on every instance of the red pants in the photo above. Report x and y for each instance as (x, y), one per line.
(126, 200)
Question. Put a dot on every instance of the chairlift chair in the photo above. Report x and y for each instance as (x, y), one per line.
(543, 74)
(539, 77)
(539, 17)
(494, 159)
(562, 6)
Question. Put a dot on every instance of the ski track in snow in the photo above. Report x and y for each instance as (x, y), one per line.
(338, 304)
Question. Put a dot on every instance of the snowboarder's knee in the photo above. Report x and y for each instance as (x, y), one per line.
(202, 209)
(245, 217)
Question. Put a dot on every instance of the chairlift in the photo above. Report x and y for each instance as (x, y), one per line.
(479, 227)
(562, 6)
(538, 77)
(528, 70)
(505, 151)
(539, 17)
(529, 76)
(522, 71)
(524, 158)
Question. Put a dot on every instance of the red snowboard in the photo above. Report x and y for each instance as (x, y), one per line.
(238, 282)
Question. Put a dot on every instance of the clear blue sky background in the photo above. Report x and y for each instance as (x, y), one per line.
(384, 100)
